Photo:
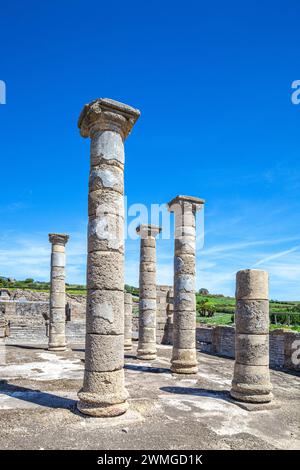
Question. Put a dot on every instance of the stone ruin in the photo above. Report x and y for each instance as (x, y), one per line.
(167, 315)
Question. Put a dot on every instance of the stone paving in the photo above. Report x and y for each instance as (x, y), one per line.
(38, 393)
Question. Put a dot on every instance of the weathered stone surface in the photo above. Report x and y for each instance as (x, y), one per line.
(102, 202)
(57, 300)
(252, 284)
(184, 321)
(184, 339)
(184, 361)
(103, 388)
(106, 352)
(253, 317)
(185, 301)
(107, 123)
(252, 349)
(106, 233)
(147, 286)
(105, 307)
(127, 321)
(148, 291)
(184, 264)
(251, 379)
(103, 271)
(57, 334)
(106, 177)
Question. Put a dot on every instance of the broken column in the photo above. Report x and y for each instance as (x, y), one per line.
(251, 379)
(57, 320)
(184, 360)
(127, 321)
(147, 290)
(107, 123)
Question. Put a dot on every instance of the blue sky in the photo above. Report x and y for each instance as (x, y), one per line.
(213, 83)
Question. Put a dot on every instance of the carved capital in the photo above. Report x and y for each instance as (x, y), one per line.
(106, 114)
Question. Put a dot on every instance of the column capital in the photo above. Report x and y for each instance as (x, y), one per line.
(181, 201)
(105, 114)
(58, 238)
(147, 230)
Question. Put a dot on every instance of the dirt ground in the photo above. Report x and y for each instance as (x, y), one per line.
(38, 406)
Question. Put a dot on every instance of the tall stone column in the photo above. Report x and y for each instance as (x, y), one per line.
(147, 288)
(184, 360)
(251, 380)
(128, 321)
(57, 321)
(107, 123)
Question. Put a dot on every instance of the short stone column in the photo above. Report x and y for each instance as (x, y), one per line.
(107, 123)
(251, 379)
(128, 321)
(57, 320)
(147, 290)
(184, 359)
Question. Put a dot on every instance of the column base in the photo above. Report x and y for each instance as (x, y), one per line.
(146, 352)
(57, 348)
(127, 346)
(184, 361)
(100, 411)
(146, 355)
(247, 398)
(178, 367)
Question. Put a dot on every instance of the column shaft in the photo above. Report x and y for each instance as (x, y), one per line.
(128, 321)
(57, 321)
(251, 380)
(103, 393)
(147, 290)
(184, 359)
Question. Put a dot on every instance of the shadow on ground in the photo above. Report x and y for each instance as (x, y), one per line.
(151, 370)
(36, 396)
(201, 392)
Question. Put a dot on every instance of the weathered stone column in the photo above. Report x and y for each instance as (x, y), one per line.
(251, 380)
(184, 360)
(128, 321)
(147, 289)
(107, 123)
(57, 321)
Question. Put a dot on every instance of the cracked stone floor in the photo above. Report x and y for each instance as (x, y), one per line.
(38, 395)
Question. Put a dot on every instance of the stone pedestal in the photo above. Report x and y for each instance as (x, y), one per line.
(128, 321)
(184, 360)
(147, 288)
(251, 380)
(57, 321)
(107, 123)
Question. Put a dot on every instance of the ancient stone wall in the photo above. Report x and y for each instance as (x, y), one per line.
(219, 340)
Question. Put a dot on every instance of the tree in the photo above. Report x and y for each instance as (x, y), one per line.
(206, 308)
(203, 291)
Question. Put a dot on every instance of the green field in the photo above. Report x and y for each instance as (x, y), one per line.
(219, 310)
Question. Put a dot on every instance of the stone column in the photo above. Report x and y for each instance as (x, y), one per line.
(147, 289)
(251, 380)
(57, 320)
(107, 123)
(128, 321)
(184, 360)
